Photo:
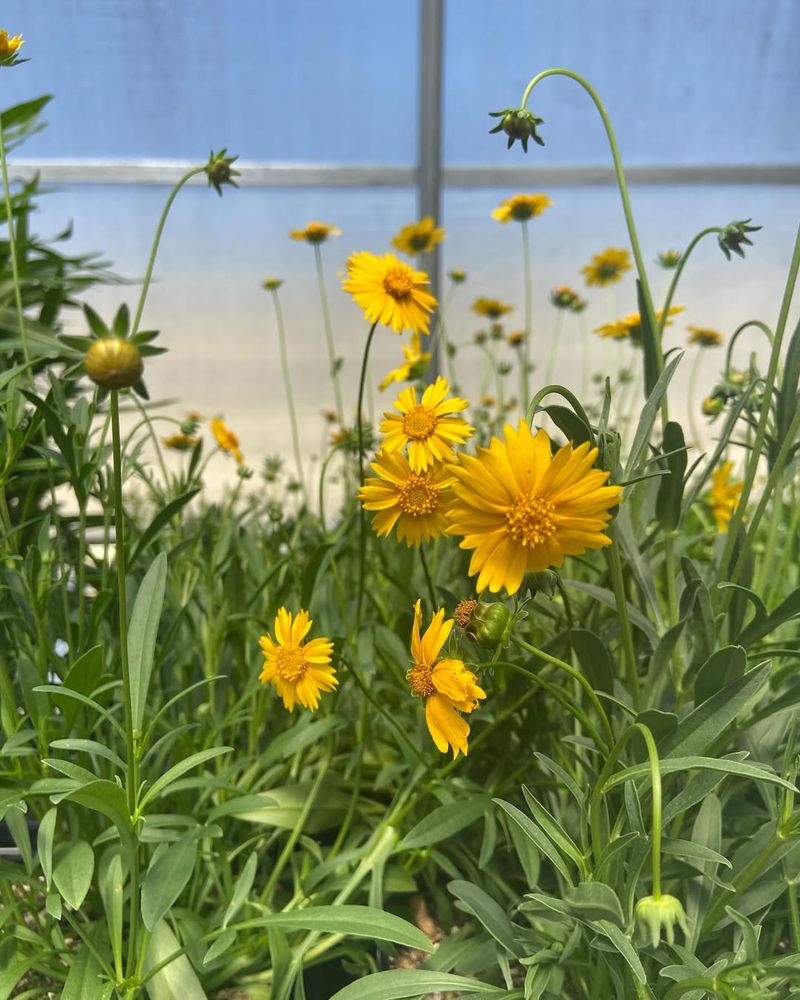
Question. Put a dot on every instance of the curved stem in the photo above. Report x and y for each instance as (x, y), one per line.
(287, 386)
(676, 277)
(362, 520)
(737, 333)
(326, 322)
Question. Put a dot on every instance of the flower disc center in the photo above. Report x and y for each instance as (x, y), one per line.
(530, 520)
(417, 496)
(290, 663)
(420, 680)
(419, 423)
(398, 282)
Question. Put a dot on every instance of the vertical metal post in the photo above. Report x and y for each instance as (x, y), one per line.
(429, 154)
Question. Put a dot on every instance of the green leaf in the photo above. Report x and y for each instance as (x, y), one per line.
(160, 521)
(297, 737)
(219, 947)
(537, 837)
(142, 634)
(112, 892)
(594, 658)
(721, 668)
(670, 489)
(674, 765)
(91, 746)
(73, 870)
(167, 877)
(445, 821)
(17, 823)
(108, 798)
(404, 984)
(44, 844)
(83, 676)
(651, 347)
(311, 571)
(554, 830)
(761, 626)
(647, 419)
(83, 978)
(241, 888)
(162, 783)
(623, 945)
(176, 981)
(690, 849)
(488, 913)
(592, 901)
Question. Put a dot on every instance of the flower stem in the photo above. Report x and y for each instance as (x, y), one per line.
(428, 578)
(618, 584)
(12, 248)
(326, 320)
(362, 518)
(524, 374)
(692, 400)
(287, 387)
(676, 277)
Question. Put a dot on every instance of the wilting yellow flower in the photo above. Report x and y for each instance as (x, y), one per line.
(180, 442)
(724, 496)
(446, 685)
(9, 46)
(522, 509)
(419, 237)
(415, 364)
(521, 207)
(389, 291)
(315, 232)
(492, 308)
(427, 426)
(607, 266)
(704, 336)
(226, 439)
(631, 326)
(415, 502)
(298, 671)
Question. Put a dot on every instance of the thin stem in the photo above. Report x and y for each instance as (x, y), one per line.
(287, 387)
(551, 359)
(153, 437)
(692, 399)
(326, 320)
(524, 374)
(362, 518)
(620, 596)
(676, 277)
(428, 579)
(12, 248)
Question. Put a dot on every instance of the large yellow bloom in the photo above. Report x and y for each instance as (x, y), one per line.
(607, 266)
(492, 308)
(523, 509)
(447, 686)
(389, 291)
(315, 232)
(521, 207)
(226, 439)
(9, 46)
(298, 671)
(427, 426)
(419, 237)
(416, 502)
(704, 336)
(724, 496)
(415, 364)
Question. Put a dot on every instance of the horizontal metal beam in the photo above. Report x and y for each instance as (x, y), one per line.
(80, 171)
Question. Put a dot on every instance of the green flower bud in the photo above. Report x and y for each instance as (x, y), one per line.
(734, 236)
(114, 363)
(219, 170)
(655, 914)
(489, 624)
(517, 123)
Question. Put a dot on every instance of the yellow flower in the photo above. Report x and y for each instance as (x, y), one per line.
(315, 232)
(631, 326)
(389, 291)
(492, 308)
(724, 496)
(457, 276)
(703, 336)
(607, 266)
(226, 439)
(180, 442)
(521, 207)
(419, 237)
(415, 364)
(488, 400)
(415, 502)
(298, 671)
(616, 330)
(446, 685)
(9, 47)
(523, 509)
(516, 338)
(425, 426)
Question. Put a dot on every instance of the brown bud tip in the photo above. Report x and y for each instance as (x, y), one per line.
(114, 363)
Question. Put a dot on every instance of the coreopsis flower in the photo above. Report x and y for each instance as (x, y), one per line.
(488, 400)
(219, 170)
(615, 330)
(521, 207)
(607, 266)
(446, 685)
(724, 496)
(704, 336)
(271, 284)
(492, 308)
(114, 363)
(516, 338)
(180, 442)
(712, 406)
(522, 509)
(734, 236)
(427, 425)
(419, 237)
(226, 439)
(416, 361)
(517, 123)
(315, 232)
(414, 502)
(9, 47)
(578, 304)
(299, 671)
(389, 291)
(457, 276)
(669, 259)
(562, 296)
(657, 914)
(630, 327)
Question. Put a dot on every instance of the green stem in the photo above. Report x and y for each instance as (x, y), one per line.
(525, 354)
(287, 386)
(676, 277)
(154, 438)
(326, 320)
(551, 359)
(362, 519)
(12, 248)
(670, 573)
(428, 578)
(692, 400)
(629, 650)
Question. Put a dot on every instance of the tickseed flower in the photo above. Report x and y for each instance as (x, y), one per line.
(562, 296)
(704, 336)
(457, 276)
(521, 207)
(426, 426)
(517, 338)
(631, 326)
(607, 266)
(724, 496)
(669, 259)
(416, 361)
(712, 405)
(219, 170)
(446, 685)
(415, 502)
(488, 400)
(9, 47)
(114, 363)
(522, 509)
(315, 232)
(180, 442)
(389, 291)
(298, 671)
(419, 237)
(615, 330)
(655, 914)
(271, 284)
(492, 308)
(734, 236)
(517, 123)
(226, 439)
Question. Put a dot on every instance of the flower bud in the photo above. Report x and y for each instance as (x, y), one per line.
(219, 170)
(518, 123)
(712, 405)
(114, 363)
(655, 914)
(489, 624)
(734, 236)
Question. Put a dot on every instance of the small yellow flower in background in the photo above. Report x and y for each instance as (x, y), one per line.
(226, 439)
(522, 509)
(415, 364)
(457, 276)
(517, 338)
(414, 502)
(563, 297)
(616, 330)
(492, 308)
(419, 237)
(9, 47)
(712, 405)
(521, 207)
(272, 284)
(446, 685)
(488, 400)
(724, 496)
(315, 232)
(607, 266)
(180, 442)
(427, 426)
(704, 336)
(631, 326)
(389, 291)
(298, 671)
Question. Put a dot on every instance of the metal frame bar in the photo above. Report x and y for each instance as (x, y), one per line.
(429, 141)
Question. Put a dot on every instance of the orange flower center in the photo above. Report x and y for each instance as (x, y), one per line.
(530, 520)
(420, 680)
(417, 496)
(398, 282)
(290, 663)
(420, 423)
(463, 612)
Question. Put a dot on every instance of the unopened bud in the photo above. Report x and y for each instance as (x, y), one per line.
(489, 624)
(114, 363)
